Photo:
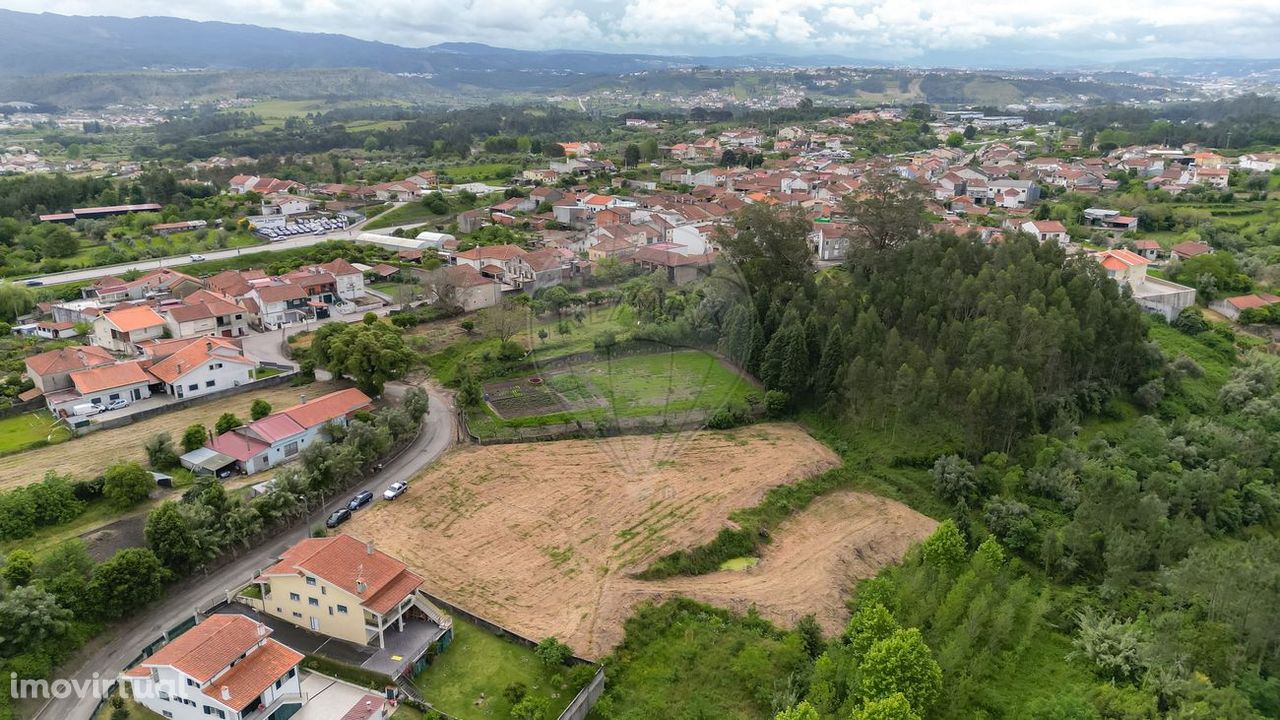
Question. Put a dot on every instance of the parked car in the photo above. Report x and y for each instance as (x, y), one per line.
(338, 517)
(362, 498)
(87, 409)
(118, 404)
(395, 491)
(33, 283)
(197, 258)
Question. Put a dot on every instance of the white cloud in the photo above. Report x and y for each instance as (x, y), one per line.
(892, 29)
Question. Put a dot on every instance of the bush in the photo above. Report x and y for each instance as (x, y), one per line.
(775, 403)
(259, 409)
(553, 653)
(160, 452)
(193, 438)
(510, 350)
(125, 484)
(1190, 321)
(530, 708)
(515, 692)
(1149, 395)
(227, 422)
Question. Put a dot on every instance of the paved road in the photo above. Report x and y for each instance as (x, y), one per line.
(124, 641)
(180, 260)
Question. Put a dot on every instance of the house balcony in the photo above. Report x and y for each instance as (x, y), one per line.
(256, 713)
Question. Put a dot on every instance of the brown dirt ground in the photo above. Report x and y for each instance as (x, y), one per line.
(87, 456)
(540, 537)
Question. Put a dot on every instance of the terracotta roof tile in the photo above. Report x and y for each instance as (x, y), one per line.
(344, 561)
(328, 407)
(110, 376)
(251, 676)
(208, 648)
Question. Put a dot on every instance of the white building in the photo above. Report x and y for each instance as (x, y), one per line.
(227, 667)
(200, 366)
(1152, 294)
(121, 330)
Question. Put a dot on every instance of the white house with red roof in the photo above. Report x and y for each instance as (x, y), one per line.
(280, 436)
(227, 667)
(1231, 307)
(201, 366)
(1046, 231)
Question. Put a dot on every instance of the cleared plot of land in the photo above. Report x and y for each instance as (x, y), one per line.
(541, 537)
(88, 456)
(19, 431)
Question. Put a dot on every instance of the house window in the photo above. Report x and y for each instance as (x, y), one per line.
(192, 683)
(291, 449)
(311, 581)
(193, 387)
(342, 609)
(167, 713)
(298, 615)
(164, 695)
(209, 383)
(295, 597)
(313, 602)
(279, 683)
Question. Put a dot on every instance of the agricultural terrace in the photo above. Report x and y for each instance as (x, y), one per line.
(677, 386)
(541, 537)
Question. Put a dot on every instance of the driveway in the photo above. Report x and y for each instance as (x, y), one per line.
(120, 644)
(328, 699)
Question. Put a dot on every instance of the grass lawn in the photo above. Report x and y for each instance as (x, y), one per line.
(663, 384)
(265, 372)
(19, 432)
(479, 171)
(481, 665)
(409, 213)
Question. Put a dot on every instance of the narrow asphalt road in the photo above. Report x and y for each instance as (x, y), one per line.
(127, 639)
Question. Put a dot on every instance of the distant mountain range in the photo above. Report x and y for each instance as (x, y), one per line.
(45, 43)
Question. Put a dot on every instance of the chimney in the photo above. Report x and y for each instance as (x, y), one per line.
(368, 548)
(226, 693)
(262, 630)
(361, 587)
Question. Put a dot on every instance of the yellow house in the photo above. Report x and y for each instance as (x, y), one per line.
(343, 588)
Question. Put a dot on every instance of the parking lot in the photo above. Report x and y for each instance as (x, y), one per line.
(316, 226)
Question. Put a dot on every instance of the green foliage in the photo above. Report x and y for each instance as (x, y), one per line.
(552, 652)
(19, 568)
(125, 484)
(901, 664)
(802, 711)
(259, 409)
(227, 422)
(131, 579)
(893, 707)
(30, 618)
(531, 708)
(369, 354)
(194, 437)
(160, 452)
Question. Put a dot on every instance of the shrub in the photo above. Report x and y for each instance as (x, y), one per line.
(775, 403)
(1149, 395)
(227, 422)
(125, 484)
(530, 708)
(194, 437)
(259, 409)
(552, 652)
(1190, 321)
(160, 452)
(515, 692)
(510, 350)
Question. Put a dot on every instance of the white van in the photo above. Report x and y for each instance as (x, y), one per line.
(86, 409)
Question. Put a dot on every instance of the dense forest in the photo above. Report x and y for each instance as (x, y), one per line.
(1241, 122)
(1096, 563)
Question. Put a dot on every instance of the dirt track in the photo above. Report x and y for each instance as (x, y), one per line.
(540, 537)
(88, 456)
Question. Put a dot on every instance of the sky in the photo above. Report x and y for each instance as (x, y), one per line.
(889, 30)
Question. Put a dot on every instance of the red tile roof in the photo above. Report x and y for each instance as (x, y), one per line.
(68, 359)
(328, 407)
(208, 648)
(110, 376)
(196, 353)
(134, 318)
(274, 428)
(343, 561)
(240, 447)
(251, 676)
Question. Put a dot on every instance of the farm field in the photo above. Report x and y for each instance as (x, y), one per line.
(20, 431)
(678, 385)
(541, 537)
(88, 456)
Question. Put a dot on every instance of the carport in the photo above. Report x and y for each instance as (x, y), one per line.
(204, 461)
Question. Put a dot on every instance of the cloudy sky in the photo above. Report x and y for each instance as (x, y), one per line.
(1099, 30)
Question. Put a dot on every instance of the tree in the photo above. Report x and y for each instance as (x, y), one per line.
(631, 155)
(160, 452)
(867, 627)
(30, 619)
(894, 707)
(649, 149)
(172, 539)
(902, 664)
(955, 140)
(955, 479)
(19, 567)
(368, 354)
(770, 247)
(802, 711)
(194, 437)
(532, 707)
(503, 320)
(259, 409)
(945, 548)
(228, 421)
(728, 158)
(887, 210)
(970, 132)
(15, 300)
(125, 484)
(59, 242)
(552, 652)
(131, 578)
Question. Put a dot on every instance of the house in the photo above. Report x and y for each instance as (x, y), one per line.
(1110, 219)
(227, 667)
(1012, 193)
(610, 247)
(1149, 249)
(282, 435)
(1232, 307)
(1260, 162)
(679, 269)
(1190, 249)
(343, 588)
(281, 305)
(348, 281)
(56, 330)
(121, 330)
(286, 205)
(201, 366)
(52, 370)
(469, 289)
(1152, 294)
(102, 385)
(1046, 231)
(538, 269)
(260, 185)
(206, 313)
(830, 241)
(154, 283)
(1215, 177)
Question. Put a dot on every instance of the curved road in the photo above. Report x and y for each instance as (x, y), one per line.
(124, 641)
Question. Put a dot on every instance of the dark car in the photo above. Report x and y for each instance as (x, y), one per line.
(362, 498)
(34, 283)
(338, 517)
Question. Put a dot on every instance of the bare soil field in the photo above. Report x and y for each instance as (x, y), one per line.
(88, 456)
(541, 537)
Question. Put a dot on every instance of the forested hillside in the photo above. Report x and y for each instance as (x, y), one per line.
(1095, 563)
